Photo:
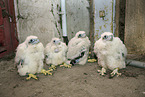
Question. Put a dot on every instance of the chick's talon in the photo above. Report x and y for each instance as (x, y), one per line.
(52, 67)
(31, 76)
(118, 74)
(49, 72)
(66, 65)
(102, 72)
(115, 72)
(45, 72)
(92, 60)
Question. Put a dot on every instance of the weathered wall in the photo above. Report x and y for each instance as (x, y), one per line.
(117, 18)
(40, 18)
(135, 26)
(77, 16)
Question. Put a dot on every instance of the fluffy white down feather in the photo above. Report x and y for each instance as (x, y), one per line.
(111, 54)
(55, 52)
(77, 45)
(32, 56)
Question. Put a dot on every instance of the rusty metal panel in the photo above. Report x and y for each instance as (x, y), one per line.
(1, 17)
(12, 20)
(2, 36)
(8, 40)
(2, 40)
(104, 17)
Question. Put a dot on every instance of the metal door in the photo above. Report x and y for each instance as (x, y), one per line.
(8, 35)
(104, 17)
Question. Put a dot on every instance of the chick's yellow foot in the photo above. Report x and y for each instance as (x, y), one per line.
(52, 67)
(45, 72)
(66, 65)
(31, 76)
(115, 72)
(102, 72)
(49, 71)
(92, 60)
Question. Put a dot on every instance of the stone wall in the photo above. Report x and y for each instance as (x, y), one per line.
(78, 18)
(42, 18)
(135, 26)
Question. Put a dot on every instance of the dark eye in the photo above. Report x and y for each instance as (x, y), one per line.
(31, 41)
(54, 41)
(79, 35)
(105, 37)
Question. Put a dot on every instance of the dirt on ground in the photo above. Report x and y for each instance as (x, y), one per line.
(78, 81)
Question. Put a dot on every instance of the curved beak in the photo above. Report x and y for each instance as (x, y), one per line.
(84, 35)
(36, 41)
(57, 42)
